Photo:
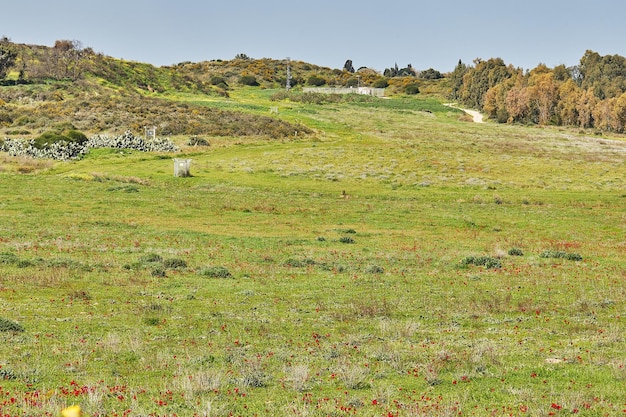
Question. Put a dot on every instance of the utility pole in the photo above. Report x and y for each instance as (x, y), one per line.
(288, 83)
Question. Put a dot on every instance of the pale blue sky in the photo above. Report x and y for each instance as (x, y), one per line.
(375, 34)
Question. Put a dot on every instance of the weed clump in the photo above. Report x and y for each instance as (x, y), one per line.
(197, 141)
(515, 252)
(298, 263)
(346, 239)
(7, 325)
(374, 269)
(215, 272)
(488, 262)
(151, 257)
(174, 263)
(561, 255)
(9, 258)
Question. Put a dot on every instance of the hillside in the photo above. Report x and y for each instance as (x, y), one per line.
(48, 87)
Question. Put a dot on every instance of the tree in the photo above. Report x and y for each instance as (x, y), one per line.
(430, 74)
(348, 66)
(585, 105)
(478, 80)
(456, 80)
(569, 94)
(543, 95)
(7, 56)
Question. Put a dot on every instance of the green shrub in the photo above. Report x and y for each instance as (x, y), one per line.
(316, 81)
(219, 81)
(9, 258)
(412, 89)
(151, 257)
(248, 80)
(374, 269)
(560, 255)
(515, 252)
(46, 139)
(381, 83)
(151, 321)
(346, 239)
(196, 141)
(174, 263)
(10, 326)
(298, 263)
(158, 272)
(488, 262)
(215, 272)
(76, 136)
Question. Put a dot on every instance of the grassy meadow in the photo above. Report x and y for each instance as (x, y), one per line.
(399, 261)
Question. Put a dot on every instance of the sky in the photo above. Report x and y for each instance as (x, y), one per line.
(375, 34)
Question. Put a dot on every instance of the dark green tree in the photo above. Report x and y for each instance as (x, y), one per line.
(430, 74)
(7, 56)
(479, 79)
(348, 66)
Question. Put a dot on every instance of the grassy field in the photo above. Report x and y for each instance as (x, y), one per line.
(397, 262)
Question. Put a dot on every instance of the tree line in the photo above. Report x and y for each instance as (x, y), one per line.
(589, 95)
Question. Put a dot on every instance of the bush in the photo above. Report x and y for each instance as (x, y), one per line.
(219, 81)
(158, 272)
(174, 263)
(76, 136)
(196, 141)
(430, 74)
(151, 257)
(299, 263)
(346, 239)
(515, 252)
(560, 255)
(316, 81)
(248, 80)
(412, 89)
(10, 326)
(381, 83)
(47, 139)
(486, 261)
(374, 269)
(215, 272)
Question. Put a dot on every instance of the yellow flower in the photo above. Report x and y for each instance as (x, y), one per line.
(72, 411)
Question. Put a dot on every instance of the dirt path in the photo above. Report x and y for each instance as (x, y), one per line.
(477, 117)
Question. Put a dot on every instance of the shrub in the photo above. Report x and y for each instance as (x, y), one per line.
(560, 255)
(346, 239)
(10, 326)
(76, 136)
(316, 81)
(381, 83)
(515, 252)
(9, 258)
(215, 272)
(486, 261)
(374, 269)
(430, 74)
(151, 321)
(151, 257)
(248, 80)
(196, 141)
(158, 272)
(174, 263)
(299, 263)
(219, 81)
(412, 89)
(47, 139)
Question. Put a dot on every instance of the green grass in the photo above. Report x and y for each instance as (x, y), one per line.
(115, 270)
